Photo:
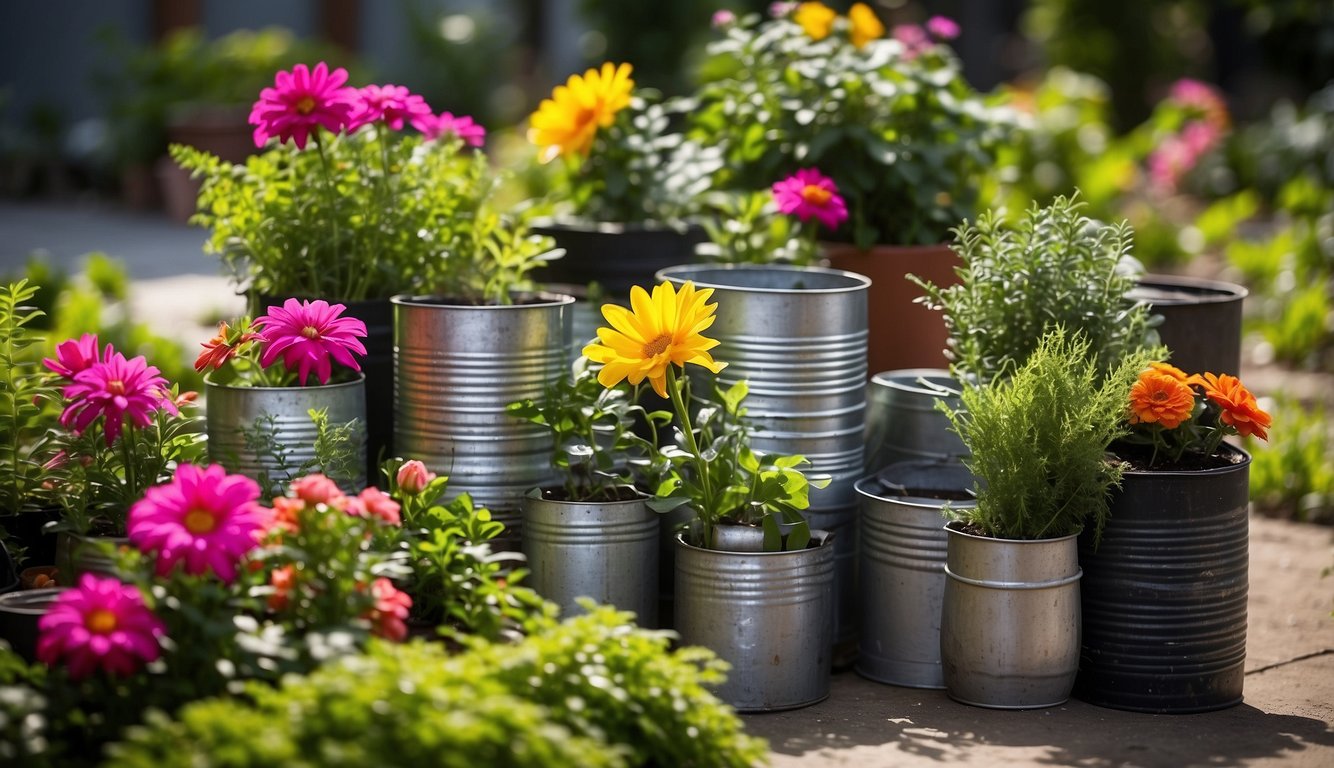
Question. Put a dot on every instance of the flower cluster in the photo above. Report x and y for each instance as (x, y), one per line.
(1178, 414)
(819, 20)
(1197, 122)
(109, 386)
(308, 336)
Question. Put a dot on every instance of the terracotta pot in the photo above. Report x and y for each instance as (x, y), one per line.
(903, 334)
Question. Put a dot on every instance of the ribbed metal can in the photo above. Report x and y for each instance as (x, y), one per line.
(604, 550)
(1009, 627)
(797, 335)
(903, 422)
(456, 368)
(768, 614)
(1165, 592)
(282, 414)
(901, 563)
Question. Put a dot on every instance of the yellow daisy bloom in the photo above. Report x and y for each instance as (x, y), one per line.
(663, 330)
(816, 18)
(865, 25)
(567, 122)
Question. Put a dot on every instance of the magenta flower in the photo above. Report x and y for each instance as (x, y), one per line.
(722, 18)
(810, 194)
(942, 27)
(391, 104)
(204, 518)
(446, 124)
(308, 334)
(1203, 98)
(914, 39)
(301, 101)
(114, 389)
(101, 623)
(74, 355)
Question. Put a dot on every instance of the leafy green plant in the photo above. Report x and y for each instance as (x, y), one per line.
(900, 131)
(1052, 268)
(597, 452)
(1037, 441)
(594, 690)
(747, 228)
(335, 450)
(1293, 474)
(27, 393)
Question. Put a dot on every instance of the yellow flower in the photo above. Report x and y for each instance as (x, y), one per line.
(816, 18)
(865, 25)
(663, 330)
(567, 122)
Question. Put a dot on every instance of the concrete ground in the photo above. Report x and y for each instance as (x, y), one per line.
(1287, 717)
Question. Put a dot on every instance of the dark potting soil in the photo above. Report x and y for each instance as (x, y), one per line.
(1137, 457)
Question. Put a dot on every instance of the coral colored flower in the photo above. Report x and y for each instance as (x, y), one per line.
(390, 615)
(300, 102)
(317, 489)
(1240, 409)
(722, 18)
(204, 518)
(372, 502)
(101, 623)
(74, 355)
(810, 194)
(942, 27)
(662, 330)
(283, 580)
(115, 389)
(1160, 398)
(413, 477)
(817, 19)
(287, 514)
(221, 348)
(914, 39)
(308, 334)
(446, 124)
(865, 25)
(1171, 370)
(566, 123)
(391, 104)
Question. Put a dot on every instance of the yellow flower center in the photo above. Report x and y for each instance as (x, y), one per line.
(116, 387)
(306, 105)
(100, 621)
(658, 345)
(310, 332)
(200, 521)
(816, 195)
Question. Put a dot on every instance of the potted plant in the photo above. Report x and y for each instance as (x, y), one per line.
(594, 535)
(776, 226)
(1037, 442)
(123, 429)
(890, 119)
(27, 422)
(277, 406)
(1165, 587)
(753, 582)
(623, 178)
(345, 205)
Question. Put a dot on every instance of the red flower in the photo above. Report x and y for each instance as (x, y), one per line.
(223, 347)
(389, 616)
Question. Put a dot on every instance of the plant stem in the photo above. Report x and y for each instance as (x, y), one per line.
(330, 194)
(701, 466)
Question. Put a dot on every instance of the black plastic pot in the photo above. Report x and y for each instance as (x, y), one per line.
(616, 256)
(1164, 594)
(27, 530)
(1201, 320)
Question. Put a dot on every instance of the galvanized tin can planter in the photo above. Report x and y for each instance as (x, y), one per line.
(768, 614)
(903, 422)
(1165, 593)
(235, 415)
(604, 550)
(78, 554)
(901, 561)
(456, 368)
(1201, 320)
(1009, 628)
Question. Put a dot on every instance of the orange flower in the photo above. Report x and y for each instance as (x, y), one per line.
(1160, 398)
(282, 579)
(1170, 370)
(223, 347)
(1240, 410)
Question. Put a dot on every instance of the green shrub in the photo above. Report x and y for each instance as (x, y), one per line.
(1293, 474)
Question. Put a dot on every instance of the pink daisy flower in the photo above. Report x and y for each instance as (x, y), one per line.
(301, 101)
(309, 334)
(390, 615)
(204, 518)
(810, 194)
(101, 623)
(74, 355)
(114, 389)
(445, 124)
(392, 104)
(317, 489)
(942, 27)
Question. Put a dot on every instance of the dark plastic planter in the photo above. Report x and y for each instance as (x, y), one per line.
(616, 256)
